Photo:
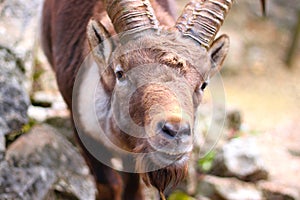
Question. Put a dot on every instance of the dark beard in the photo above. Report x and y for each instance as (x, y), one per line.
(168, 176)
(160, 177)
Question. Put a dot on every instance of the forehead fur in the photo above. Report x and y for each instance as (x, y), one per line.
(167, 46)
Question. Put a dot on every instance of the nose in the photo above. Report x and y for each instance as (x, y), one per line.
(173, 129)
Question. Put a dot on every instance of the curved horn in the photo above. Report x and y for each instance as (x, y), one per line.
(202, 19)
(131, 16)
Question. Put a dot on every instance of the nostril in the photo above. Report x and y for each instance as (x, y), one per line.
(169, 129)
(174, 129)
(185, 129)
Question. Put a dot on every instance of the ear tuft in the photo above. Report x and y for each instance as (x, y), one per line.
(99, 41)
(218, 53)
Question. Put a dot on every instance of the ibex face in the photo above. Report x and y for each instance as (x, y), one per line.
(156, 83)
(155, 79)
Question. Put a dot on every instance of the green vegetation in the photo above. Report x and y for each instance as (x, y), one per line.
(38, 70)
(178, 195)
(10, 138)
(206, 162)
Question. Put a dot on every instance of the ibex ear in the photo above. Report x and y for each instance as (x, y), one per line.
(102, 46)
(218, 53)
(99, 41)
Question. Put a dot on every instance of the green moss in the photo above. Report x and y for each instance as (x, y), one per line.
(10, 138)
(38, 70)
(206, 162)
(178, 195)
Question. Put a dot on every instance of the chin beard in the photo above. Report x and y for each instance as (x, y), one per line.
(156, 171)
(164, 176)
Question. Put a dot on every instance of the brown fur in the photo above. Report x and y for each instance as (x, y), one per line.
(168, 70)
(150, 94)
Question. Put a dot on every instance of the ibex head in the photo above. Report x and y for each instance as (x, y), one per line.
(155, 77)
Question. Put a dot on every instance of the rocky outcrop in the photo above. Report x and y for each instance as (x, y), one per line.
(19, 28)
(44, 164)
(14, 100)
(18, 34)
(240, 158)
(227, 188)
(2, 147)
(24, 183)
(277, 191)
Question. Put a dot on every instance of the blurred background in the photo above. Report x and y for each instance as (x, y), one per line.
(258, 151)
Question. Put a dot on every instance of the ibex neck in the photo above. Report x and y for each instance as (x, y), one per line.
(91, 103)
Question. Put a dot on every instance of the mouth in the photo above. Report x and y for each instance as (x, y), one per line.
(171, 150)
(168, 151)
(163, 159)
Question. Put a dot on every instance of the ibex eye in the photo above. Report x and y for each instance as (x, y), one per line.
(119, 74)
(203, 86)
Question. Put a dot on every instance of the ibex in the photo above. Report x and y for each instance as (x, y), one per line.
(152, 78)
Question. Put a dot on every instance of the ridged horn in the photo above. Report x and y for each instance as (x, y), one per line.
(131, 16)
(202, 19)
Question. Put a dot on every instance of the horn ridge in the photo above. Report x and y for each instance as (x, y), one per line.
(131, 16)
(202, 19)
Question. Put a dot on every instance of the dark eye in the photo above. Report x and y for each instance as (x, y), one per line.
(203, 86)
(120, 74)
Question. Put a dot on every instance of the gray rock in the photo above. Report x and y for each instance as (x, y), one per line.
(14, 100)
(64, 126)
(2, 147)
(240, 158)
(276, 191)
(46, 151)
(40, 112)
(227, 189)
(19, 25)
(24, 183)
